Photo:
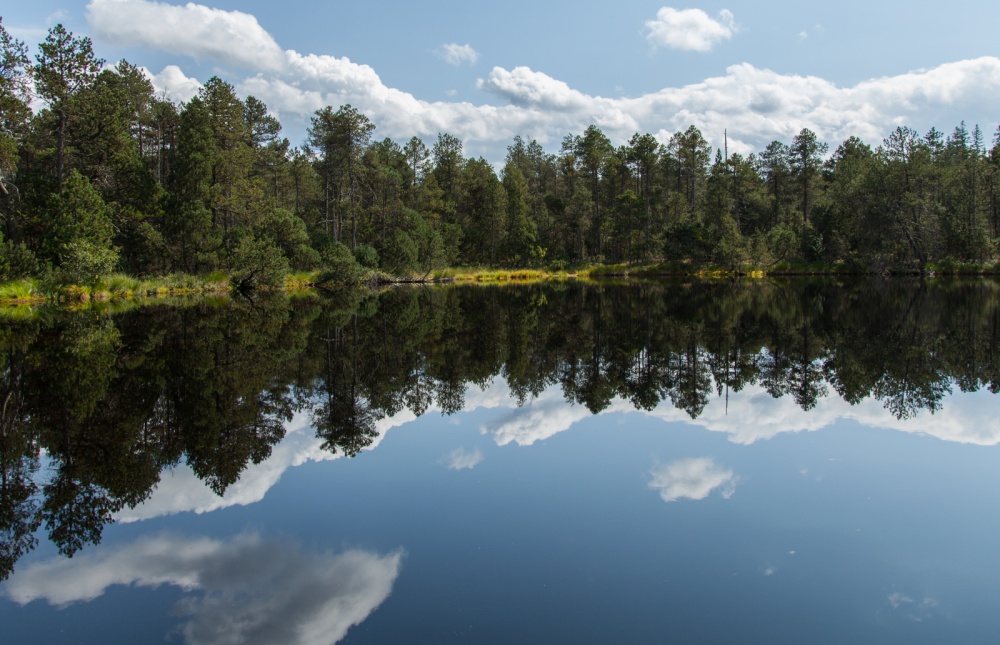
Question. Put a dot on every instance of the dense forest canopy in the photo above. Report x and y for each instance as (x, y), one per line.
(109, 176)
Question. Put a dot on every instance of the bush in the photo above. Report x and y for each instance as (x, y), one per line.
(16, 261)
(366, 256)
(257, 264)
(339, 265)
(401, 254)
(84, 262)
(290, 234)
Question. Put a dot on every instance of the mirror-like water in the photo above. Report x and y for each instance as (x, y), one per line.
(751, 462)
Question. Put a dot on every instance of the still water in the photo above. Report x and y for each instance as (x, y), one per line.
(742, 462)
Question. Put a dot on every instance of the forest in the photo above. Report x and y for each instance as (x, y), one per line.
(110, 177)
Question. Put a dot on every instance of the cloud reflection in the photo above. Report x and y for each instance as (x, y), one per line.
(245, 590)
(692, 479)
(460, 459)
(754, 415)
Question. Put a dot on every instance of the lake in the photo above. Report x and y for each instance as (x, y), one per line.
(754, 462)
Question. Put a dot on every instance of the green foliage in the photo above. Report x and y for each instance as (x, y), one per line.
(257, 263)
(16, 261)
(366, 256)
(290, 234)
(782, 243)
(402, 254)
(84, 262)
(339, 265)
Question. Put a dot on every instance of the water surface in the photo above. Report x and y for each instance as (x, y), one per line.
(750, 462)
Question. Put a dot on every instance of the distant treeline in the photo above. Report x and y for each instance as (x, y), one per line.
(109, 176)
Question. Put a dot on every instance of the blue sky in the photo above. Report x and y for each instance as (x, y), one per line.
(486, 72)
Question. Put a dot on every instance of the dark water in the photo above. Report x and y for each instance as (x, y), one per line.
(755, 463)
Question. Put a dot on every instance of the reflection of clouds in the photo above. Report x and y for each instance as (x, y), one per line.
(180, 490)
(915, 611)
(541, 418)
(459, 459)
(245, 590)
(754, 415)
(691, 479)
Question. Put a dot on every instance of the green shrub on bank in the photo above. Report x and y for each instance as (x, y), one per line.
(339, 266)
(258, 264)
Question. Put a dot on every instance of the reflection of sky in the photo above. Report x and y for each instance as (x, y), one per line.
(692, 478)
(753, 415)
(847, 535)
(749, 416)
(244, 590)
(460, 459)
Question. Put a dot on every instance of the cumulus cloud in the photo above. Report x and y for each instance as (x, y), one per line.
(689, 29)
(460, 459)
(194, 30)
(455, 54)
(244, 590)
(174, 84)
(755, 105)
(691, 479)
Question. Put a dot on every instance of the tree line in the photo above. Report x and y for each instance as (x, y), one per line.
(110, 176)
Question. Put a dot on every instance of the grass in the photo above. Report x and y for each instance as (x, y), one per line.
(497, 275)
(301, 280)
(24, 290)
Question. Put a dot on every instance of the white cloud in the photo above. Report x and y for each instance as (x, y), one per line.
(193, 30)
(691, 479)
(174, 83)
(460, 459)
(689, 29)
(242, 590)
(455, 54)
(755, 105)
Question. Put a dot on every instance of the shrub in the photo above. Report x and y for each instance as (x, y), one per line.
(257, 264)
(339, 265)
(84, 262)
(366, 256)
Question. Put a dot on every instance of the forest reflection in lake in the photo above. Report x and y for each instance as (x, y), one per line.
(111, 416)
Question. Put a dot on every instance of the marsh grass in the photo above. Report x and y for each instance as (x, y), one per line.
(19, 313)
(496, 275)
(26, 289)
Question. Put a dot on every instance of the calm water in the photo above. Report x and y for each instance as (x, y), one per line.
(753, 463)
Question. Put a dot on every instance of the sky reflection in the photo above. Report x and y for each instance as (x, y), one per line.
(245, 590)
(747, 417)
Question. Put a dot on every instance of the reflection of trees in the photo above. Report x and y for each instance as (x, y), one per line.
(19, 517)
(113, 400)
(343, 418)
